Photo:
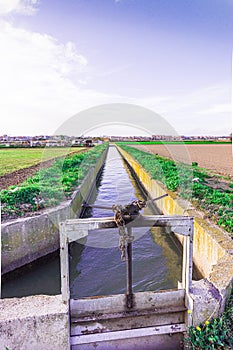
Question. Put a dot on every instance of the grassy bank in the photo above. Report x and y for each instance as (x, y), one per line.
(191, 183)
(50, 186)
(216, 333)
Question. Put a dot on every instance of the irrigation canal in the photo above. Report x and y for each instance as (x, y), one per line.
(95, 266)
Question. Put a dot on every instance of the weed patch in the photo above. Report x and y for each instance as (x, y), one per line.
(48, 187)
(191, 183)
(216, 333)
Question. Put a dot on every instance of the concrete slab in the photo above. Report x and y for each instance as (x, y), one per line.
(34, 323)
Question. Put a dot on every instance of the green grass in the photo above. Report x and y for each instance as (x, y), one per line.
(177, 177)
(48, 187)
(13, 159)
(216, 333)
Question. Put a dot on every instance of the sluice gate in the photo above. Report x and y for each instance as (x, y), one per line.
(151, 320)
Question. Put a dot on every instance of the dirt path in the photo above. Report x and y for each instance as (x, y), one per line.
(217, 158)
(18, 176)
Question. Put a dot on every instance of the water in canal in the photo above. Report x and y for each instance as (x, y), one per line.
(95, 266)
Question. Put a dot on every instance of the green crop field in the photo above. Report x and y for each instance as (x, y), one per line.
(13, 159)
(48, 187)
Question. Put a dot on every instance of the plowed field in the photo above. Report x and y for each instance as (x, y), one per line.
(217, 158)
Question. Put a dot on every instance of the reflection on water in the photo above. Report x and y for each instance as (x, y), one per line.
(99, 270)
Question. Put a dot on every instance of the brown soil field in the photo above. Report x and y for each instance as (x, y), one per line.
(216, 158)
(18, 176)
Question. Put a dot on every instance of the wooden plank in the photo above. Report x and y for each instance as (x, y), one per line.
(127, 334)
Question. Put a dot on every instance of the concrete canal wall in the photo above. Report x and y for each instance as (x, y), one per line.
(212, 246)
(41, 321)
(34, 323)
(27, 239)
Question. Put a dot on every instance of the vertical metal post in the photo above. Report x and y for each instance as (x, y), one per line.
(64, 258)
(129, 273)
(184, 262)
(190, 273)
(188, 259)
(187, 242)
(0, 254)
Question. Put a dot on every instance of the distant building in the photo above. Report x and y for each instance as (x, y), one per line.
(88, 143)
(77, 143)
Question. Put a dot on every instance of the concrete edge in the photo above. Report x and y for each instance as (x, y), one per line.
(34, 322)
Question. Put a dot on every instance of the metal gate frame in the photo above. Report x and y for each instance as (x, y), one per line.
(76, 229)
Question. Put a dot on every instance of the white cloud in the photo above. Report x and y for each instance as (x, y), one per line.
(198, 99)
(218, 108)
(26, 7)
(30, 57)
(207, 110)
(43, 82)
(37, 86)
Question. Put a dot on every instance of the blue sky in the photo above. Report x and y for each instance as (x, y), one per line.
(61, 57)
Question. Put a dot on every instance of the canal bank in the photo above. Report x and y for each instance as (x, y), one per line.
(27, 239)
(157, 256)
(212, 247)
